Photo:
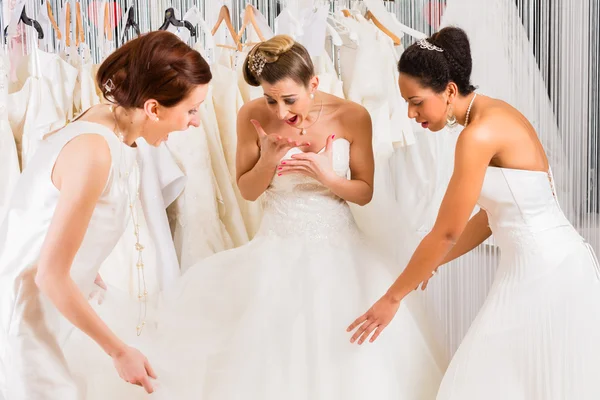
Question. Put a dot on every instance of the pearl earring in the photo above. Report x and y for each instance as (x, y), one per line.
(312, 96)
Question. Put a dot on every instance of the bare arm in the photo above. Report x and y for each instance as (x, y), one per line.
(253, 174)
(80, 173)
(474, 150)
(359, 189)
(475, 233)
(256, 163)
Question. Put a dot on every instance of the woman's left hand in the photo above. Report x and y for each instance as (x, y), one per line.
(315, 165)
(99, 290)
(376, 319)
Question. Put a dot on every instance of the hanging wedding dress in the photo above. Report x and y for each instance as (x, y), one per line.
(31, 329)
(198, 231)
(197, 228)
(9, 164)
(41, 99)
(371, 53)
(536, 337)
(267, 320)
(227, 101)
(85, 91)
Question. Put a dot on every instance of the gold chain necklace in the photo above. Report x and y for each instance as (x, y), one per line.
(303, 130)
(141, 278)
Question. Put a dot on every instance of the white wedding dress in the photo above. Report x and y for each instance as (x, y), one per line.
(9, 166)
(267, 321)
(536, 337)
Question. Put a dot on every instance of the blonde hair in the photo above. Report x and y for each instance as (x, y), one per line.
(278, 58)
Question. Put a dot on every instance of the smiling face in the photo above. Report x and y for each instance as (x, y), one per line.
(289, 100)
(173, 119)
(428, 108)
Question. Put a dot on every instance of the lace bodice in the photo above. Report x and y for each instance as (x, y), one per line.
(297, 205)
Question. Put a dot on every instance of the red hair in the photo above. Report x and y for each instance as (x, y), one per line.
(157, 65)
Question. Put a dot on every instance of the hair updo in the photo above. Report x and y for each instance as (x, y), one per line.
(278, 58)
(157, 65)
(435, 68)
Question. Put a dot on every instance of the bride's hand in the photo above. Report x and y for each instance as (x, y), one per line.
(272, 146)
(315, 165)
(376, 319)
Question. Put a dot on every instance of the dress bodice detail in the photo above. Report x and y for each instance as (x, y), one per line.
(297, 205)
(521, 204)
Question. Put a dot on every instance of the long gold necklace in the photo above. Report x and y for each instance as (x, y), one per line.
(141, 277)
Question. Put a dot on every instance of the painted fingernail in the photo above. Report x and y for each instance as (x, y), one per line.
(283, 162)
(332, 136)
(279, 168)
(278, 174)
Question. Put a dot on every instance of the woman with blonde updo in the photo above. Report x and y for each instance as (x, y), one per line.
(274, 311)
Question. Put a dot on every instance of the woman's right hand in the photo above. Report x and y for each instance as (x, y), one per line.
(133, 367)
(272, 146)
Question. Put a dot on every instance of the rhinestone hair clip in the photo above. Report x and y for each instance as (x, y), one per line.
(424, 44)
(257, 63)
(109, 86)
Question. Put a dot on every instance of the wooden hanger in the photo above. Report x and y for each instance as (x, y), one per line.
(79, 34)
(224, 16)
(369, 16)
(347, 13)
(250, 18)
(108, 31)
(53, 21)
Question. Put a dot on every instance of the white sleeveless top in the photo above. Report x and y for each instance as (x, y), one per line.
(28, 321)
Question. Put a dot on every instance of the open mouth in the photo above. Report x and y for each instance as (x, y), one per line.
(293, 120)
(425, 124)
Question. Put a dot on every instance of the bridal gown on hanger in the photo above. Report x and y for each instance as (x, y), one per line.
(227, 101)
(536, 337)
(267, 321)
(198, 231)
(41, 99)
(9, 164)
(32, 331)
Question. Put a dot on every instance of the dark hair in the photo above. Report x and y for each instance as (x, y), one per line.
(278, 58)
(434, 68)
(157, 65)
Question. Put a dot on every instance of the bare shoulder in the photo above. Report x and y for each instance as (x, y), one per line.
(356, 120)
(86, 159)
(254, 109)
(89, 148)
(478, 142)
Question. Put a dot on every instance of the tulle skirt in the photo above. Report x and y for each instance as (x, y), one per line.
(267, 321)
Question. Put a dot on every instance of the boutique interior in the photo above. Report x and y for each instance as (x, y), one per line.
(541, 56)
